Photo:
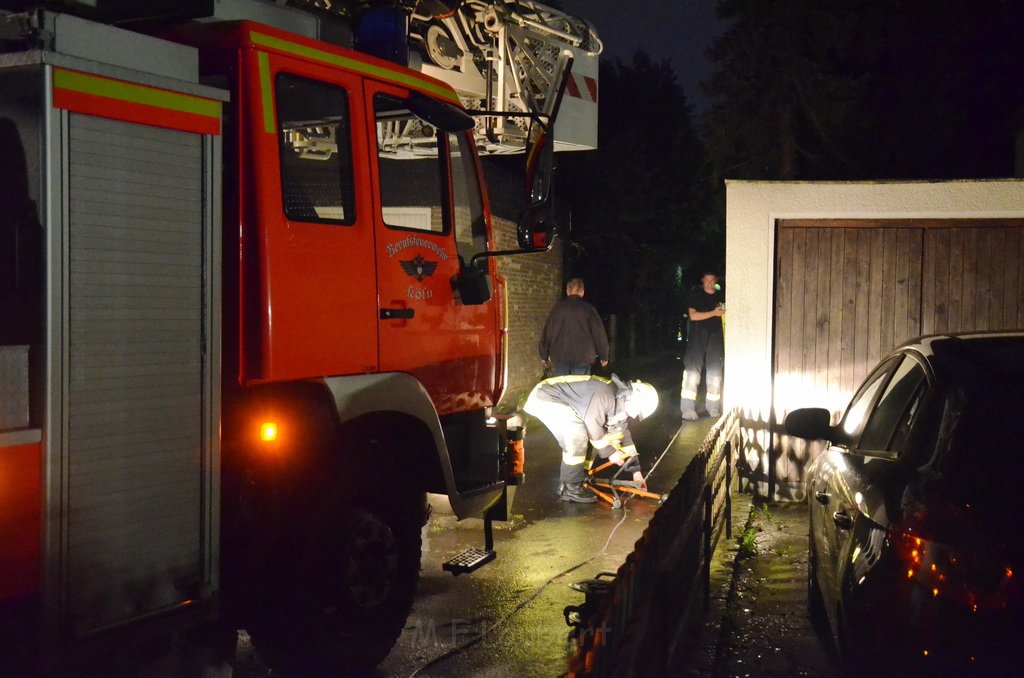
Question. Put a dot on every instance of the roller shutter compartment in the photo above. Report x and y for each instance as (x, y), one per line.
(133, 488)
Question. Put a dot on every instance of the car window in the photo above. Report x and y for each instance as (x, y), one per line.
(982, 463)
(857, 412)
(889, 422)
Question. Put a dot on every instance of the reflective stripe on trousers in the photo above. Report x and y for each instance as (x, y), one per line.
(691, 380)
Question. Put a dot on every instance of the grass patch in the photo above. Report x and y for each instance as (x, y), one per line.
(748, 543)
(748, 540)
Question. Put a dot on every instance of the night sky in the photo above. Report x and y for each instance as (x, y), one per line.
(677, 30)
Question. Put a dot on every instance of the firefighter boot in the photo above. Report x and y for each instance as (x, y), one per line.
(688, 395)
(714, 397)
(574, 492)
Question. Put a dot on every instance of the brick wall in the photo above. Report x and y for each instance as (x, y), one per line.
(535, 281)
(534, 285)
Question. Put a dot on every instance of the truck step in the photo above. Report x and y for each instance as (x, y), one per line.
(468, 561)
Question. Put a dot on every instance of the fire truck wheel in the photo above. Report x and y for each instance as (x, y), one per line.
(352, 587)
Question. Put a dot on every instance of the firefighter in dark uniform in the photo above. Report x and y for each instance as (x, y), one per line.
(582, 410)
(705, 306)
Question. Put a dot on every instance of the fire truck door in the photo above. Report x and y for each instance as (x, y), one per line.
(317, 270)
(429, 216)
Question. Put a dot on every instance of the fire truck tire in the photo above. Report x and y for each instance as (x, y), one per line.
(352, 588)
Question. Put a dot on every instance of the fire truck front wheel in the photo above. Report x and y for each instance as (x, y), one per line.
(350, 587)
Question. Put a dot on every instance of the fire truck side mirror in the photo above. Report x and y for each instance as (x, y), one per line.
(536, 229)
(540, 163)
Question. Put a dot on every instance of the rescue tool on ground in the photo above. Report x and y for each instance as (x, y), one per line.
(245, 268)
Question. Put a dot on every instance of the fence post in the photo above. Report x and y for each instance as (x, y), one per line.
(771, 456)
(728, 490)
(708, 511)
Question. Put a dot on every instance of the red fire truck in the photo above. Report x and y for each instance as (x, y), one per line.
(249, 315)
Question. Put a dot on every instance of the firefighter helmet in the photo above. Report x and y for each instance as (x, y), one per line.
(642, 400)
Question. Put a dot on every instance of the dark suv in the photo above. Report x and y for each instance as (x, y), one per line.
(916, 508)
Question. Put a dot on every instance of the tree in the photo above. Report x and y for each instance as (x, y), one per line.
(945, 100)
(641, 209)
(785, 91)
(842, 89)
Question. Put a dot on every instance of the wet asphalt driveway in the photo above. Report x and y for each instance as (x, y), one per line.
(506, 619)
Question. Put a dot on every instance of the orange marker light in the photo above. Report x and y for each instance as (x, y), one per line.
(268, 431)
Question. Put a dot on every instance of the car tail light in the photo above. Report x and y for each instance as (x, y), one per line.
(943, 549)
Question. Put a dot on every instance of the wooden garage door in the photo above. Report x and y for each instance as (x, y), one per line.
(848, 291)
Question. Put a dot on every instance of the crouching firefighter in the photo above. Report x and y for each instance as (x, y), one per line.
(583, 410)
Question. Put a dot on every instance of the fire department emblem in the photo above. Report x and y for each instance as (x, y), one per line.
(419, 267)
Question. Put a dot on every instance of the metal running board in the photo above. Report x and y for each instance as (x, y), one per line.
(473, 559)
(468, 561)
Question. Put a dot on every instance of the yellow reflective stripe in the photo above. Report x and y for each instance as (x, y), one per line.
(606, 440)
(711, 397)
(688, 395)
(573, 378)
(406, 79)
(570, 459)
(266, 98)
(136, 94)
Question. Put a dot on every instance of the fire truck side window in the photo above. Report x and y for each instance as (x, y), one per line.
(467, 206)
(316, 156)
(412, 186)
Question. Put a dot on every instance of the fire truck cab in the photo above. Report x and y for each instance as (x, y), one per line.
(251, 316)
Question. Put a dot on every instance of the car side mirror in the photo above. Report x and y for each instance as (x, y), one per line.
(812, 423)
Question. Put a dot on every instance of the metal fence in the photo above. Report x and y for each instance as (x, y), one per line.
(640, 623)
(642, 334)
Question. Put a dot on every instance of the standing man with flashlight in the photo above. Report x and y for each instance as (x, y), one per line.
(705, 346)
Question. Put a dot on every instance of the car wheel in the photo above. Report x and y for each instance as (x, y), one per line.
(850, 657)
